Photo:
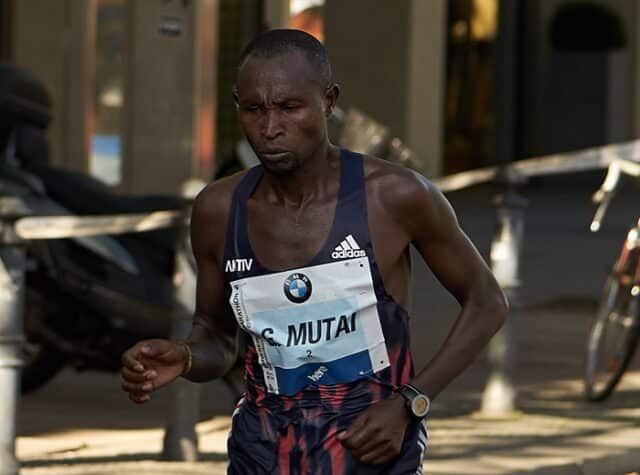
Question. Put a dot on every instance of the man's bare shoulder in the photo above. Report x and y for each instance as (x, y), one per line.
(395, 187)
(210, 214)
(214, 201)
(408, 198)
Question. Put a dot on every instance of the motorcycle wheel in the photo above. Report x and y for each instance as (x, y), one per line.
(41, 360)
(42, 363)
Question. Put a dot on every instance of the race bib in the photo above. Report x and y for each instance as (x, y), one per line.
(314, 325)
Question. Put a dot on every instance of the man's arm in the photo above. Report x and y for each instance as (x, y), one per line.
(456, 263)
(428, 221)
(214, 336)
(152, 364)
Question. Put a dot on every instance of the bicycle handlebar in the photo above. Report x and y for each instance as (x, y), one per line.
(604, 198)
(607, 190)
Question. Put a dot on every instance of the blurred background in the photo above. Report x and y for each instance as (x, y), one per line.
(141, 90)
(141, 101)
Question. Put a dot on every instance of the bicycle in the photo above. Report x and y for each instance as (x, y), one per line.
(615, 332)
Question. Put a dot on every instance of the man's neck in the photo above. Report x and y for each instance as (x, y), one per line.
(312, 180)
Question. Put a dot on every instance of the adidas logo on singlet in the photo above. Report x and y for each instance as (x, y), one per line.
(348, 248)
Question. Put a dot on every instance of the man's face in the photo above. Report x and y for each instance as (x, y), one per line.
(282, 109)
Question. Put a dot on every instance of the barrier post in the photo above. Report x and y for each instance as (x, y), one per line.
(498, 399)
(180, 437)
(12, 290)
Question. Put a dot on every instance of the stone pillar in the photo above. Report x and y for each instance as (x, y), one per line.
(169, 122)
(634, 40)
(426, 83)
(392, 66)
(79, 83)
(169, 111)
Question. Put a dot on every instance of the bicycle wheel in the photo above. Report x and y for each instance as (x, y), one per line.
(612, 340)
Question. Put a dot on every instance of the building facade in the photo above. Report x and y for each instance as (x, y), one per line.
(142, 90)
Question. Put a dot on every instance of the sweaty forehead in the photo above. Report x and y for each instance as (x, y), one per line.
(288, 72)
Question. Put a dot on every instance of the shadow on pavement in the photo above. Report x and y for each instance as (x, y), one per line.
(137, 457)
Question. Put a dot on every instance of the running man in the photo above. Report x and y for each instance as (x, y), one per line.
(307, 256)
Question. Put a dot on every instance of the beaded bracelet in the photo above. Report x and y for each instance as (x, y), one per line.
(187, 367)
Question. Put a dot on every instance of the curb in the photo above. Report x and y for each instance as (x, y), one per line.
(618, 464)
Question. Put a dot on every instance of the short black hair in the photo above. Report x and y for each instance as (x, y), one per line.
(284, 41)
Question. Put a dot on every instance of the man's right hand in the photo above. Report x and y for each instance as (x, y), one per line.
(151, 365)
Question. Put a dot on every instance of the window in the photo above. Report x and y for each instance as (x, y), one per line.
(469, 108)
(105, 161)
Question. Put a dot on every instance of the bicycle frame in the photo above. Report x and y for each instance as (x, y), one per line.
(628, 258)
(627, 266)
(614, 335)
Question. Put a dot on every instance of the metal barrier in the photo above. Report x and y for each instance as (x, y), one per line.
(498, 400)
(581, 160)
(17, 227)
(60, 227)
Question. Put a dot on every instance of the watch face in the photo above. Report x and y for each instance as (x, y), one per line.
(420, 405)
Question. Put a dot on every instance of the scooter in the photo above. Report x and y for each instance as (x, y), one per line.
(88, 298)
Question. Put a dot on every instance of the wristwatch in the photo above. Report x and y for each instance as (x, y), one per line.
(417, 403)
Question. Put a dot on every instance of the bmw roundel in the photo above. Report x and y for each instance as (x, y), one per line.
(297, 288)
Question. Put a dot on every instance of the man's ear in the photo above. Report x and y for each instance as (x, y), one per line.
(331, 98)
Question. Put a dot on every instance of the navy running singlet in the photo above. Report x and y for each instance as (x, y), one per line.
(324, 342)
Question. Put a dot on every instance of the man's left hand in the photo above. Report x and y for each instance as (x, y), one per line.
(377, 434)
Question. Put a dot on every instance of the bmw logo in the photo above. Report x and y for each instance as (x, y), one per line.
(297, 288)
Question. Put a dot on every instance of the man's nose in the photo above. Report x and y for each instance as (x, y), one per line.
(272, 125)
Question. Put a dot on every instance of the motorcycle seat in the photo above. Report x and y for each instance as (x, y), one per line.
(24, 116)
(83, 194)
(78, 192)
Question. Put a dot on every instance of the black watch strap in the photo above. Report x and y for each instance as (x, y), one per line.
(416, 402)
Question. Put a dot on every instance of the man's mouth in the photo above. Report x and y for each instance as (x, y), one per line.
(274, 155)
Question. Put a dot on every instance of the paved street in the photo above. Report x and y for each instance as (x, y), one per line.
(78, 420)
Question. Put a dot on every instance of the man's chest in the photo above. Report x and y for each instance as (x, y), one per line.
(284, 239)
